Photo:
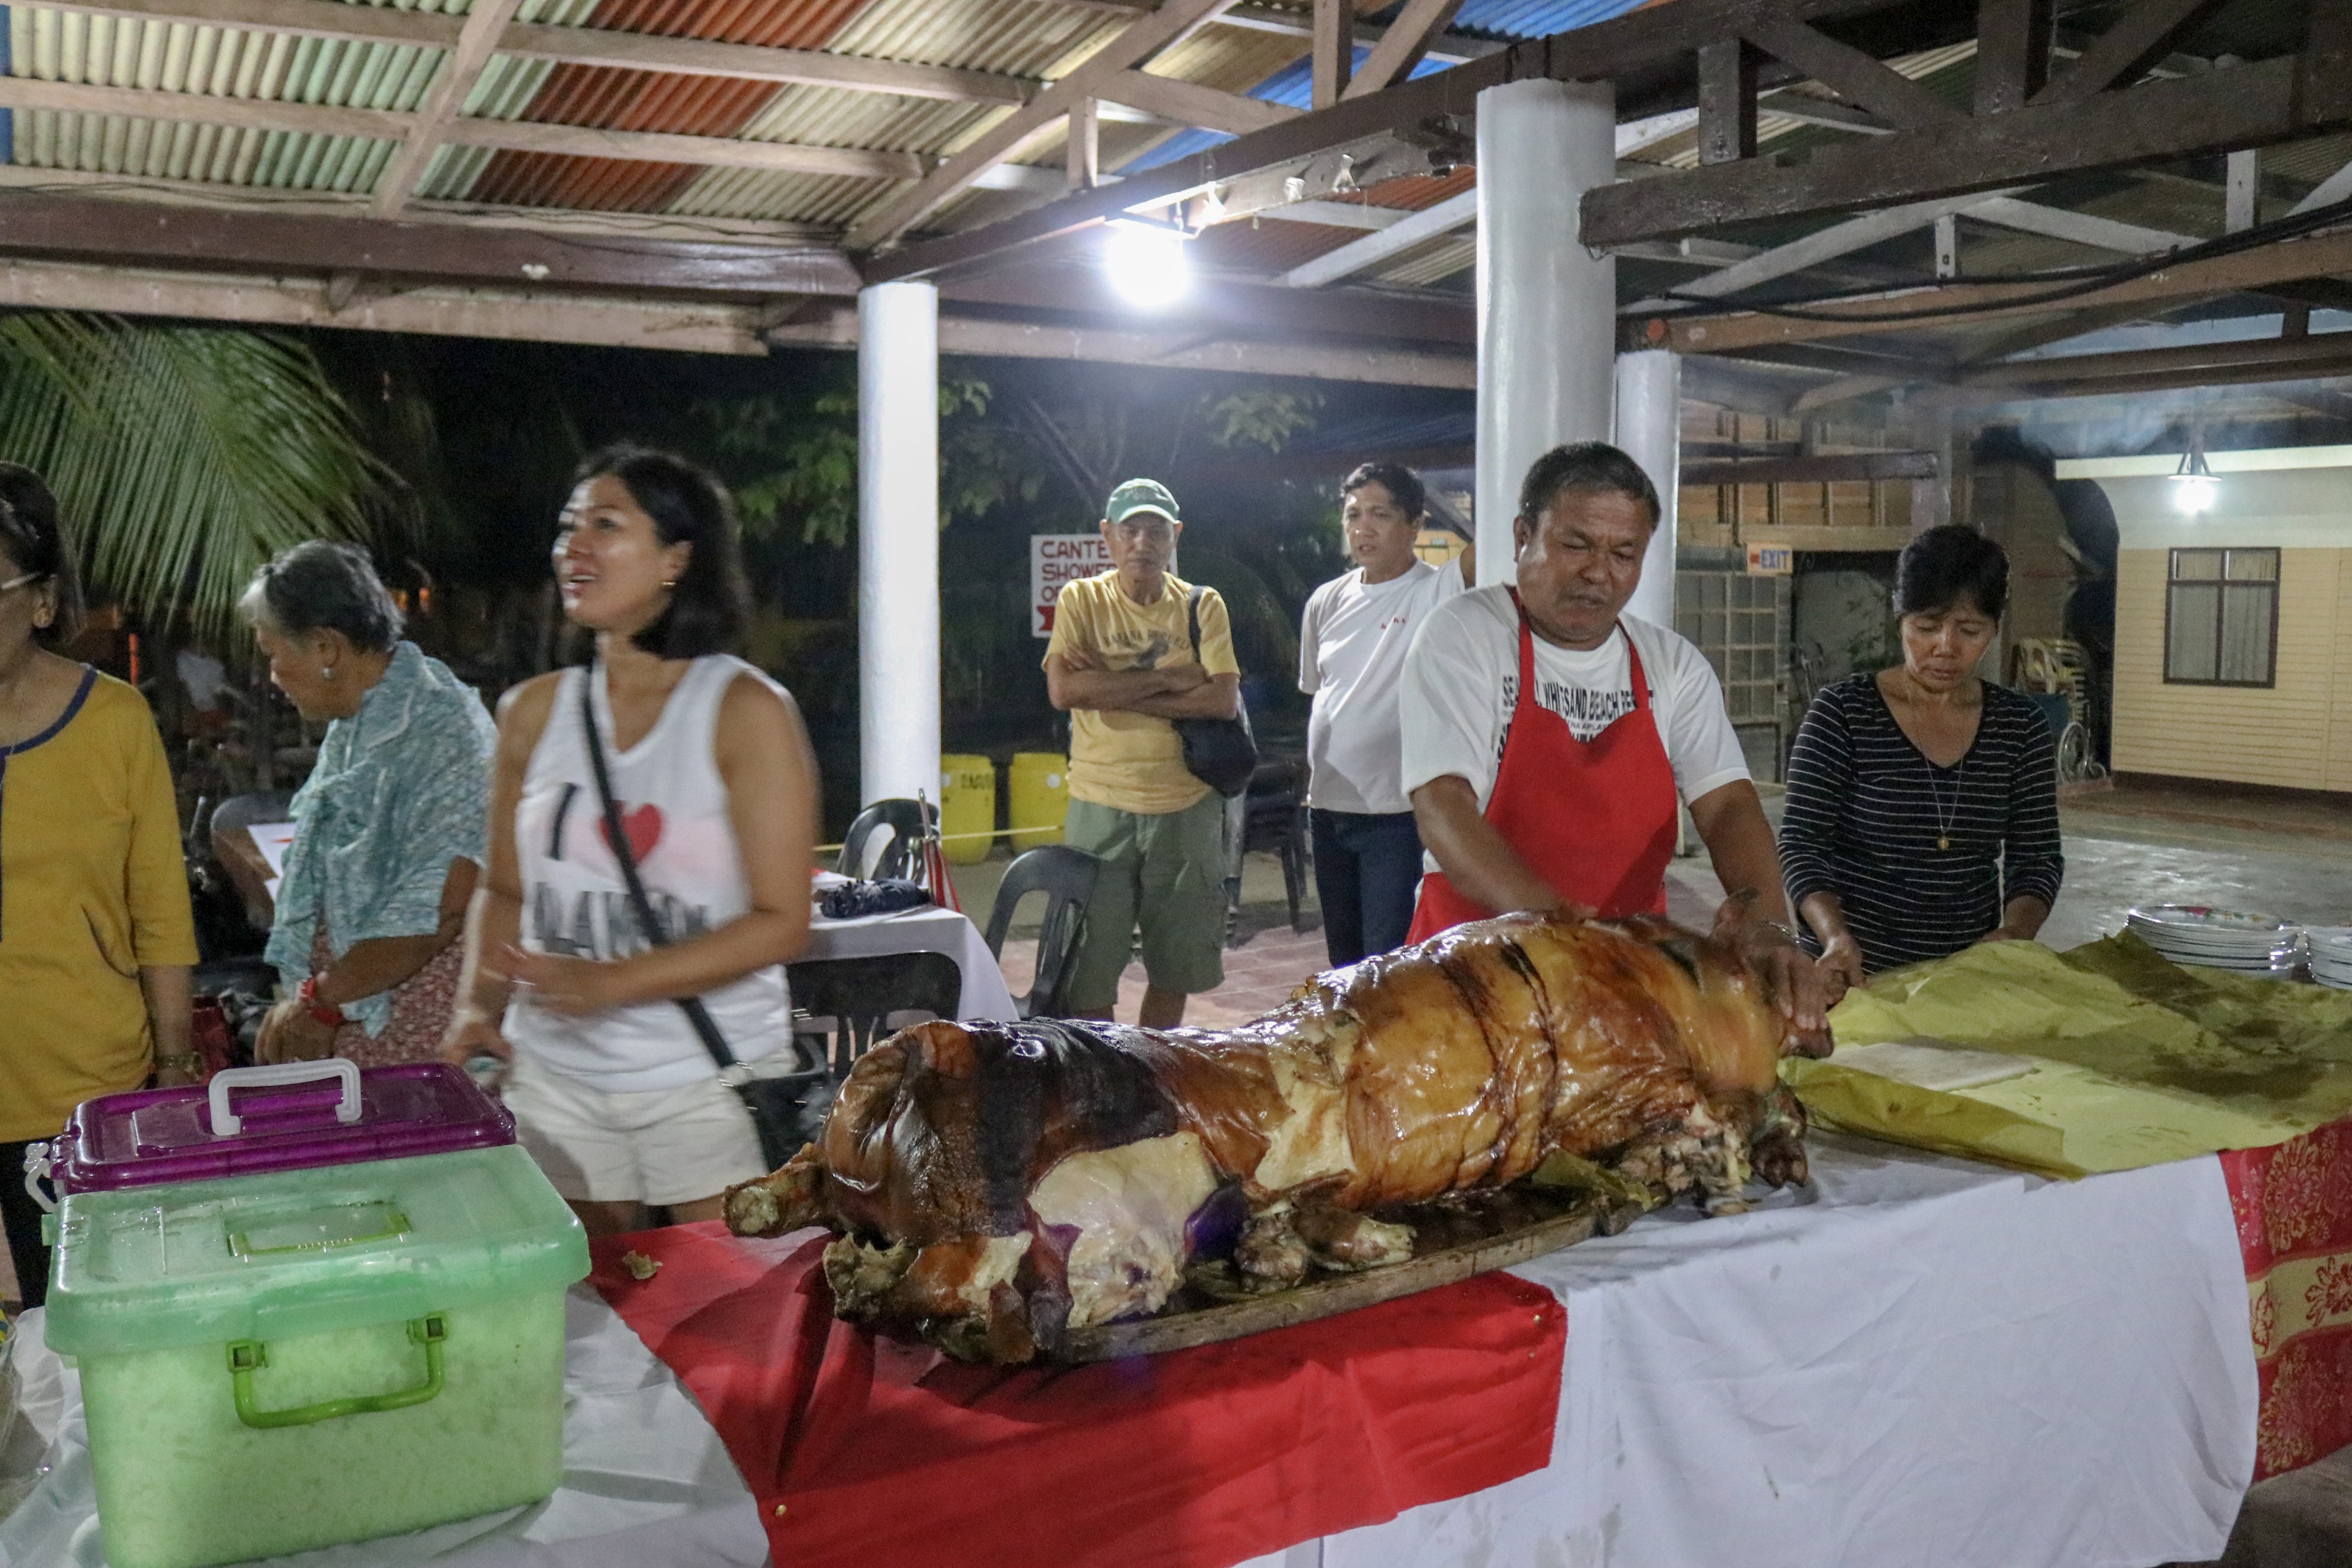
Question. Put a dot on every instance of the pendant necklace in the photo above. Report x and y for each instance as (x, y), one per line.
(1944, 818)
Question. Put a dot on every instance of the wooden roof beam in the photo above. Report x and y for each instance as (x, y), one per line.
(576, 45)
(156, 233)
(1134, 46)
(522, 136)
(1401, 48)
(1961, 304)
(452, 81)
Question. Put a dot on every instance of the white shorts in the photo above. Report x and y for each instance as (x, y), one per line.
(659, 1146)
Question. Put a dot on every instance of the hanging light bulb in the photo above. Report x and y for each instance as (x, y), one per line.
(1147, 264)
(2194, 487)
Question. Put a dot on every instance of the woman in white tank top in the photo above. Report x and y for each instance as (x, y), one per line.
(611, 1089)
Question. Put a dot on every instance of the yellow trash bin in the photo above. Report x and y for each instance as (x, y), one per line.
(1041, 798)
(967, 807)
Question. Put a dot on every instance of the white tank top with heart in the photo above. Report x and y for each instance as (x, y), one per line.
(674, 810)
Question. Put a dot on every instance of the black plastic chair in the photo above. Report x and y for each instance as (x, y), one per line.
(906, 820)
(853, 1000)
(242, 812)
(1274, 819)
(1066, 876)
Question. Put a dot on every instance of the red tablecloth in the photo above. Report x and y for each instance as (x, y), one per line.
(2293, 1204)
(865, 1452)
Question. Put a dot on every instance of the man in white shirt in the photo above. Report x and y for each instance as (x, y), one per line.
(1353, 643)
(1547, 738)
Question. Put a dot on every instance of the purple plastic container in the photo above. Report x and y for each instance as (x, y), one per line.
(284, 1118)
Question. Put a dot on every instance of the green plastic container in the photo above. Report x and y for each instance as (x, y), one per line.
(276, 1362)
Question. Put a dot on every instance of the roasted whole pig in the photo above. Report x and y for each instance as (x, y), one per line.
(996, 1186)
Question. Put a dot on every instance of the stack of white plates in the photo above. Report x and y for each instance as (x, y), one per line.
(2218, 939)
(2331, 955)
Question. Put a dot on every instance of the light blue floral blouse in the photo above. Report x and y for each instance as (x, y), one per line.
(400, 790)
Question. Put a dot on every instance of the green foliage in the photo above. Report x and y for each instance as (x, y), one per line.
(808, 460)
(185, 455)
(1258, 417)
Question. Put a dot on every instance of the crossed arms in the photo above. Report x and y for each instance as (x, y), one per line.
(1077, 678)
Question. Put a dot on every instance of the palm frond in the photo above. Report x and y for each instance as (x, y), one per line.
(183, 457)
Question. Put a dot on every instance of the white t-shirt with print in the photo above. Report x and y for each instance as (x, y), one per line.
(1353, 643)
(1463, 679)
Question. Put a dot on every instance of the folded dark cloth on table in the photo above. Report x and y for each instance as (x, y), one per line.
(853, 900)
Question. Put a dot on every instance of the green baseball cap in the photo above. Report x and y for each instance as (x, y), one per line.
(1141, 495)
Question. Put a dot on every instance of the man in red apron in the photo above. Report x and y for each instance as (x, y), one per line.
(1549, 738)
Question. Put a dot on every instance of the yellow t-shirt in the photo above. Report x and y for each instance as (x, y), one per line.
(92, 889)
(1133, 762)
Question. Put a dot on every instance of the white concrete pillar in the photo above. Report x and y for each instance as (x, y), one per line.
(1547, 306)
(898, 541)
(1650, 429)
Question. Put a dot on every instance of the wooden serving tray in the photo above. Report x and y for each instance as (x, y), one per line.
(1448, 1245)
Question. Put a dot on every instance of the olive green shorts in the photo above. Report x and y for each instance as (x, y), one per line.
(1164, 874)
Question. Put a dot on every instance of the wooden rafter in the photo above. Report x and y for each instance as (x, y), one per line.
(1134, 46)
(1402, 46)
(153, 232)
(1856, 77)
(2124, 53)
(2246, 105)
(1962, 304)
(1331, 56)
(461, 67)
(1190, 103)
(577, 45)
(523, 136)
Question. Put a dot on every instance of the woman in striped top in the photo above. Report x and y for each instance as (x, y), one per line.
(1923, 802)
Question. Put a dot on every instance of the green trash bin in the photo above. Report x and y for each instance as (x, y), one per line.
(274, 1363)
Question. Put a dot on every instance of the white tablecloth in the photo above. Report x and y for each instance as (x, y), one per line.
(932, 930)
(1922, 1363)
(645, 1484)
(1919, 1362)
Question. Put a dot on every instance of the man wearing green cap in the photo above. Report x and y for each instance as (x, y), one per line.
(1122, 664)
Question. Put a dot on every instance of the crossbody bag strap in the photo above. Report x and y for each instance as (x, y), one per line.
(705, 1027)
(1193, 621)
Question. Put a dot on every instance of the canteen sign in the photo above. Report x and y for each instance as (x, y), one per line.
(1055, 559)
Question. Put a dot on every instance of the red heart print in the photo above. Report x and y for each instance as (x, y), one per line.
(643, 826)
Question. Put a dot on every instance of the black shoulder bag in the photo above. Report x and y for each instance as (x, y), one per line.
(1220, 752)
(786, 1111)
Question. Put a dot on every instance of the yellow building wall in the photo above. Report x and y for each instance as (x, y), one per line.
(2296, 735)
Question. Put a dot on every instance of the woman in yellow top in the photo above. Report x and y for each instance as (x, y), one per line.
(96, 938)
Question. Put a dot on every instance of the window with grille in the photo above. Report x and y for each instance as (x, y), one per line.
(2221, 618)
(1742, 624)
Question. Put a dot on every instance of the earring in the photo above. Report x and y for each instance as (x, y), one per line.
(326, 672)
(669, 582)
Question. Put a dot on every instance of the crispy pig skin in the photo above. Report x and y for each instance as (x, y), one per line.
(1450, 1067)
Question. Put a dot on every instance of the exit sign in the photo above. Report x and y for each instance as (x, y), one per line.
(1770, 560)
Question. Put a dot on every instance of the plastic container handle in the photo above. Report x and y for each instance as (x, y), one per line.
(247, 1357)
(39, 1164)
(227, 1124)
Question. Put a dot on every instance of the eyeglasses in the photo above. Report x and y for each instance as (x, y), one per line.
(20, 582)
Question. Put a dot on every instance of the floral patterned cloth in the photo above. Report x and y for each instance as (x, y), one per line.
(2293, 1206)
(401, 789)
(421, 1006)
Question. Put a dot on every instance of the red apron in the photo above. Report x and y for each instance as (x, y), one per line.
(1596, 819)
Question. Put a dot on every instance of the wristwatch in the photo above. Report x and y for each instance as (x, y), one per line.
(326, 1013)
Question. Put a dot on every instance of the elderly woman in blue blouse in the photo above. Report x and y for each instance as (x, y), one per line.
(389, 830)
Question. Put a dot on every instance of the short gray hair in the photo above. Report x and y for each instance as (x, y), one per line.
(319, 586)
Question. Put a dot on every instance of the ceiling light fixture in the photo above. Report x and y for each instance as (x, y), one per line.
(1145, 263)
(2194, 487)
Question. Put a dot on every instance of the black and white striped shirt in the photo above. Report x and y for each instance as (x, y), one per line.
(1867, 811)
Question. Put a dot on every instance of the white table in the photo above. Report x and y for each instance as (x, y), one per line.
(1916, 1363)
(646, 1483)
(927, 930)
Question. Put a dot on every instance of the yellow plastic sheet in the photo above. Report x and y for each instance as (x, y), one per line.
(2138, 1061)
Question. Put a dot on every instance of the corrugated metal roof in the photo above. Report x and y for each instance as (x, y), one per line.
(1535, 19)
(1017, 37)
(165, 56)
